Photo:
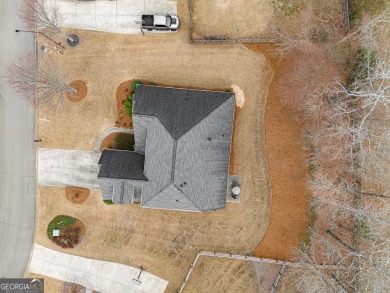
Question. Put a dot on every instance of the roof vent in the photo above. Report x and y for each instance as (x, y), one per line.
(209, 138)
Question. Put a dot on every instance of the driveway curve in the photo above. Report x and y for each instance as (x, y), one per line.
(103, 276)
(17, 154)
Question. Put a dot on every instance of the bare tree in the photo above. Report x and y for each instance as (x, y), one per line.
(42, 15)
(348, 133)
(43, 85)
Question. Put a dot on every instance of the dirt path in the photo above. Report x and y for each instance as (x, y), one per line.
(287, 174)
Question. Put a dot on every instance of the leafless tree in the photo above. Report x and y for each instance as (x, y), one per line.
(349, 136)
(43, 85)
(42, 15)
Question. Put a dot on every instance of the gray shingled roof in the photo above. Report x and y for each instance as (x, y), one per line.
(189, 173)
(177, 109)
(122, 165)
(183, 138)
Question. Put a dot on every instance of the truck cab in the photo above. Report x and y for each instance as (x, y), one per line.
(160, 22)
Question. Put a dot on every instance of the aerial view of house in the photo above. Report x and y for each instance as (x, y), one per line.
(194, 146)
(182, 151)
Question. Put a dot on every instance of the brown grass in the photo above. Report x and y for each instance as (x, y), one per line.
(76, 195)
(231, 19)
(222, 275)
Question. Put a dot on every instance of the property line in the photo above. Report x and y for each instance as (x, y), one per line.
(236, 256)
(244, 257)
(275, 284)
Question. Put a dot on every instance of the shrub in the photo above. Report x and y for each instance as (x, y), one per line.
(129, 111)
(128, 103)
(59, 222)
(124, 141)
(129, 107)
(134, 85)
(107, 201)
(130, 97)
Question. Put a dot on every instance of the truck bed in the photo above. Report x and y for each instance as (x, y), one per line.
(147, 20)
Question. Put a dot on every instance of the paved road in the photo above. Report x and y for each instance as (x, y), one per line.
(17, 154)
(103, 276)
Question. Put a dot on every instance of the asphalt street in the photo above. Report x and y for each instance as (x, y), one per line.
(17, 153)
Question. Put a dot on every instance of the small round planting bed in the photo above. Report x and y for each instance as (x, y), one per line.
(80, 93)
(77, 195)
(66, 231)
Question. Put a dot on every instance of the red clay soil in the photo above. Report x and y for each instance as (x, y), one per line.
(81, 88)
(76, 195)
(287, 173)
(122, 119)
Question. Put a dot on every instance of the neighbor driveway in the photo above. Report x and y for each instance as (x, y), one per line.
(116, 16)
(102, 276)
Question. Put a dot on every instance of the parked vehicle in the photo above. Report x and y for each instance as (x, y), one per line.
(160, 22)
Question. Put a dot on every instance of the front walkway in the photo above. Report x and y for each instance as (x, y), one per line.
(116, 16)
(102, 276)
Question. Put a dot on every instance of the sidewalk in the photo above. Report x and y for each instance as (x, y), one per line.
(115, 16)
(102, 276)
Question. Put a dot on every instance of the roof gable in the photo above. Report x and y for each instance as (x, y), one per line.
(171, 198)
(177, 109)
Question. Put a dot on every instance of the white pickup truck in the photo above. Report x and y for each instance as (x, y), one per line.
(160, 22)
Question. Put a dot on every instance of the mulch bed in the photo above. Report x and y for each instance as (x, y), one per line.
(122, 119)
(70, 236)
(77, 195)
(108, 142)
(81, 87)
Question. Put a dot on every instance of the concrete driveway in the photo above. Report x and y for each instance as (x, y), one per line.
(17, 153)
(116, 16)
(102, 276)
(57, 167)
